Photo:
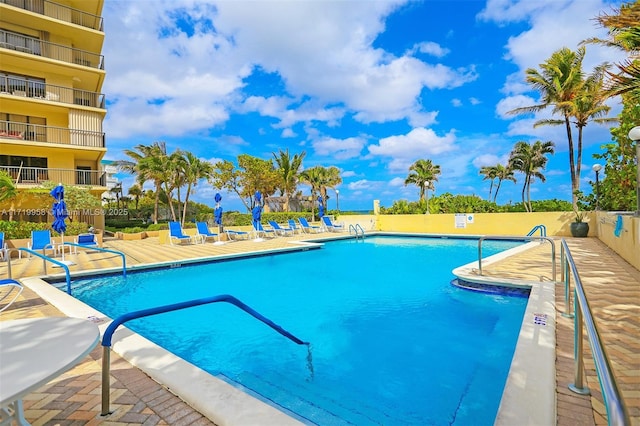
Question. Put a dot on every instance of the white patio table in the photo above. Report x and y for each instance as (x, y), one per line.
(35, 351)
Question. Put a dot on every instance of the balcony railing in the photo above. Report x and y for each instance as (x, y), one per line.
(34, 46)
(37, 175)
(48, 134)
(40, 90)
(59, 12)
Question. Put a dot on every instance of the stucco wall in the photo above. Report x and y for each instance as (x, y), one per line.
(557, 223)
(627, 242)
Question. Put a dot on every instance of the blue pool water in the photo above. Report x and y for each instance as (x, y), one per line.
(392, 342)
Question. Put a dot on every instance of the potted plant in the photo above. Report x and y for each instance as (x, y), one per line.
(579, 228)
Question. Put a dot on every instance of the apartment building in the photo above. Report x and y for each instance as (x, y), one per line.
(51, 106)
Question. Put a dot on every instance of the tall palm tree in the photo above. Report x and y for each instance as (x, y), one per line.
(559, 81)
(314, 177)
(330, 179)
(489, 172)
(503, 173)
(530, 159)
(289, 171)
(423, 174)
(194, 170)
(623, 27)
(146, 164)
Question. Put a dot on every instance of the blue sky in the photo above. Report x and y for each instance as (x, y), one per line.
(366, 86)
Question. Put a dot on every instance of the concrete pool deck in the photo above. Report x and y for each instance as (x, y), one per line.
(611, 284)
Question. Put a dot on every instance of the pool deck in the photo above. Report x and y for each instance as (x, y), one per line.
(612, 287)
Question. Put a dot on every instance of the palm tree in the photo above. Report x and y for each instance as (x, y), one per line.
(502, 173)
(330, 179)
(623, 27)
(135, 191)
(194, 170)
(423, 174)
(314, 177)
(530, 159)
(559, 81)
(146, 164)
(489, 172)
(289, 171)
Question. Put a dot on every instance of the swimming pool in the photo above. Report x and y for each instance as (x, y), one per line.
(383, 321)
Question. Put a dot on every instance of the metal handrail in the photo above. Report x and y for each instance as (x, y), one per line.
(542, 228)
(526, 238)
(106, 338)
(121, 254)
(355, 229)
(45, 259)
(617, 413)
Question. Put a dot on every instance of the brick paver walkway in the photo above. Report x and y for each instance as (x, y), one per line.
(611, 284)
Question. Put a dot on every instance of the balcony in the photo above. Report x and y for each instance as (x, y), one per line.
(34, 46)
(48, 92)
(59, 12)
(37, 175)
(18, 131)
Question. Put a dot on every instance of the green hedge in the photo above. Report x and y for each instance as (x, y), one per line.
(16, 229)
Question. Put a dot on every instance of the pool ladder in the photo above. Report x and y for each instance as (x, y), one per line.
(541, 228)
(356, 230)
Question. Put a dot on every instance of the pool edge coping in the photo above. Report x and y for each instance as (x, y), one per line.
(520, 403)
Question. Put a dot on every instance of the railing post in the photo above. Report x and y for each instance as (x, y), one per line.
(567, 292)
(578, 382)
(106, 385)
(480, 256)
(563, 260)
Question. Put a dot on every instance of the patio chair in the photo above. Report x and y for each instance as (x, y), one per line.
(294, 226)
(331, 226)
(85, 240)
(9, 289)
(280, 230)
(309, 229)
(175, 233)
(237, 235)
(41, 240)
(205, 233)
(262, 231)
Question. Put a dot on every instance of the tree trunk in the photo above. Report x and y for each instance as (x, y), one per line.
(572, 167)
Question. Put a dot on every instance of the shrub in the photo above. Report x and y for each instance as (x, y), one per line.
(17, 229)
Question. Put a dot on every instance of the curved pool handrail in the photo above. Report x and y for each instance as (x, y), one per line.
(108, 334)
(541, 228)
(617, 413)
(121, 254)
(45, 259)
(525, 238)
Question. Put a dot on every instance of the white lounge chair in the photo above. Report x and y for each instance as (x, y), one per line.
(9, 289)
(175, 233)
(280, 230)
(309, 229)
(331, 226)
(204, 232)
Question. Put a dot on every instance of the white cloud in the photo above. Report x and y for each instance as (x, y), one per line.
(405, 149)
(397, 181)
(456, 102)
(512, 102)
(340, 149)
(486, 160)
(430, 48)
(348, 174)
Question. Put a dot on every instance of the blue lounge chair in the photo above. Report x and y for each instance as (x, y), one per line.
(85, 240)
(175, 233)
(260, 230)
(331, 226)
(309, 229)
(280, 230)
(41, 240)
(205, 233)
(294, 226)
(9, 289)
(237, 235)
